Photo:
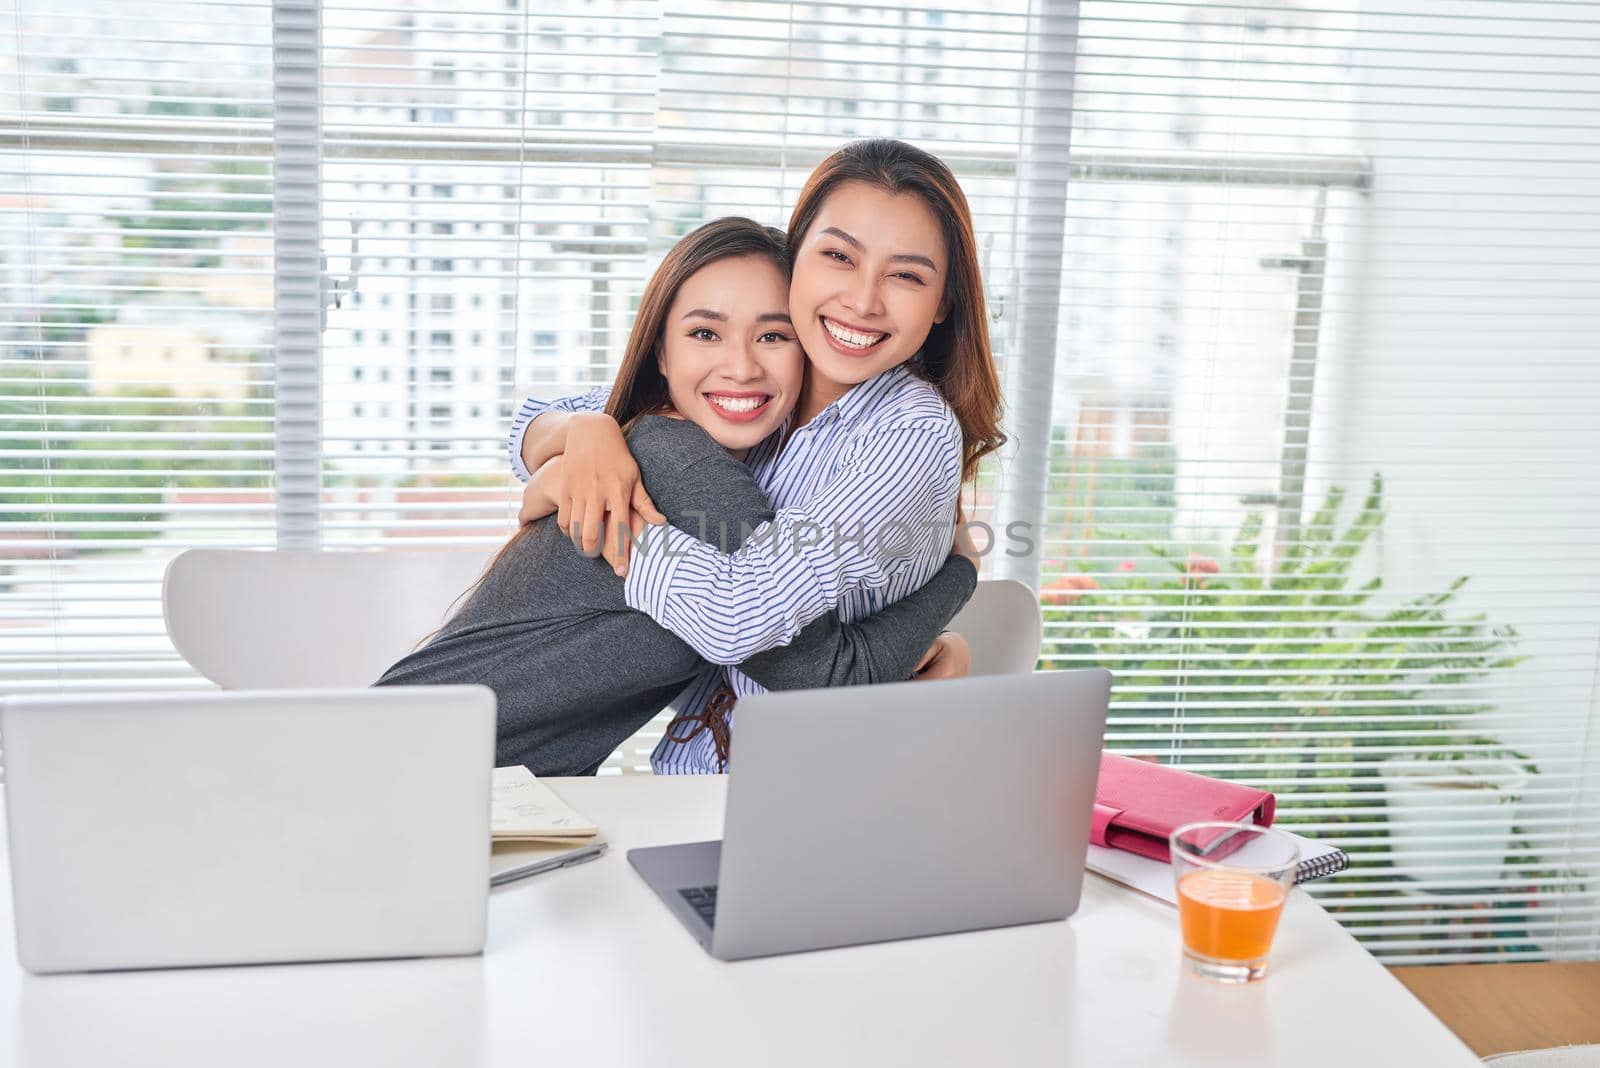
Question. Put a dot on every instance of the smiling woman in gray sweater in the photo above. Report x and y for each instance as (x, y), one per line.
(710, 370)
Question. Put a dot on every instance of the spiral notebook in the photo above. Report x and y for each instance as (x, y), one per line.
(1154, 877)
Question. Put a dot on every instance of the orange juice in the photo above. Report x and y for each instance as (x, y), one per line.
(1228, 915)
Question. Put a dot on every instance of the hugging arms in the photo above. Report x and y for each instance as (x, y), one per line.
(577, 672)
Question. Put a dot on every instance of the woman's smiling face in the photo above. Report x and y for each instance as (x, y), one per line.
(869, 283)
(728, 351)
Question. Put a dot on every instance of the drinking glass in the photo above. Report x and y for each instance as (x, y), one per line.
(1232, 882)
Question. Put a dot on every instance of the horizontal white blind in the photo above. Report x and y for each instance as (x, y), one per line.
(1321, 489)
(1305, 252)
(486, 182)
(136, 295)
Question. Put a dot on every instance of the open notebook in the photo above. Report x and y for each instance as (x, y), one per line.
(533, 830)
(525, 809)
(1154, 877)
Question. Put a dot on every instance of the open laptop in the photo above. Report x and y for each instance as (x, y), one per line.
(172, 829)
(880, 812)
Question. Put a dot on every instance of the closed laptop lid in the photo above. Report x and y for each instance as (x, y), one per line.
(878, 812)
(242, 827)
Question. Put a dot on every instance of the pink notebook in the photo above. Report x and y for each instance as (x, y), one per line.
(1138, 804)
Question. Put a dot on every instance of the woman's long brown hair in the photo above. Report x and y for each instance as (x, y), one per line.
(956, 357)
(640, 388)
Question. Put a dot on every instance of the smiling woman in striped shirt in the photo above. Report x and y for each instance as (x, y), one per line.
(900, 402)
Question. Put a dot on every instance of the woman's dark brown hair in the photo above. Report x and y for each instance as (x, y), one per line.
(956, 357)
(640, 388)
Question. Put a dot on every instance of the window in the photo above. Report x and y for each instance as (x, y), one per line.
(1317, 290)
(136, 335)
(1217, 505)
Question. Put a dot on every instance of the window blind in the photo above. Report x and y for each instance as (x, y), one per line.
(1316, 487)
(136, 316)
(1293, 305)
(487, 185)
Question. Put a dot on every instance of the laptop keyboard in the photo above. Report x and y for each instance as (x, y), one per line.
(703, 899)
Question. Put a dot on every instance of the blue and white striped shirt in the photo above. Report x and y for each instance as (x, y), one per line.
(865, 495)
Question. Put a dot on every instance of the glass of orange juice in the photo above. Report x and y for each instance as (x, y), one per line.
(1232, 883)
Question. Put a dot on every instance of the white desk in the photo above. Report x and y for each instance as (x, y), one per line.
(584, 966)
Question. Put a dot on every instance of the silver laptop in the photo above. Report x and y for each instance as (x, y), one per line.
(880, 812)
(174, 829)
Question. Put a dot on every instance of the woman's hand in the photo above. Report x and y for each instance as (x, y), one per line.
(544, 491)
(601, 493)
(948, 658)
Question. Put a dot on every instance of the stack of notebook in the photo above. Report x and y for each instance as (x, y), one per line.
(533, 830)
(1138, 803)
(1154, 877)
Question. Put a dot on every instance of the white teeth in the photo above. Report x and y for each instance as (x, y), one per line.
(736, 404)
(850, 337)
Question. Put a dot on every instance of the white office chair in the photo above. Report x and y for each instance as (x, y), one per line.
(266, 619)
(1003, 626)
